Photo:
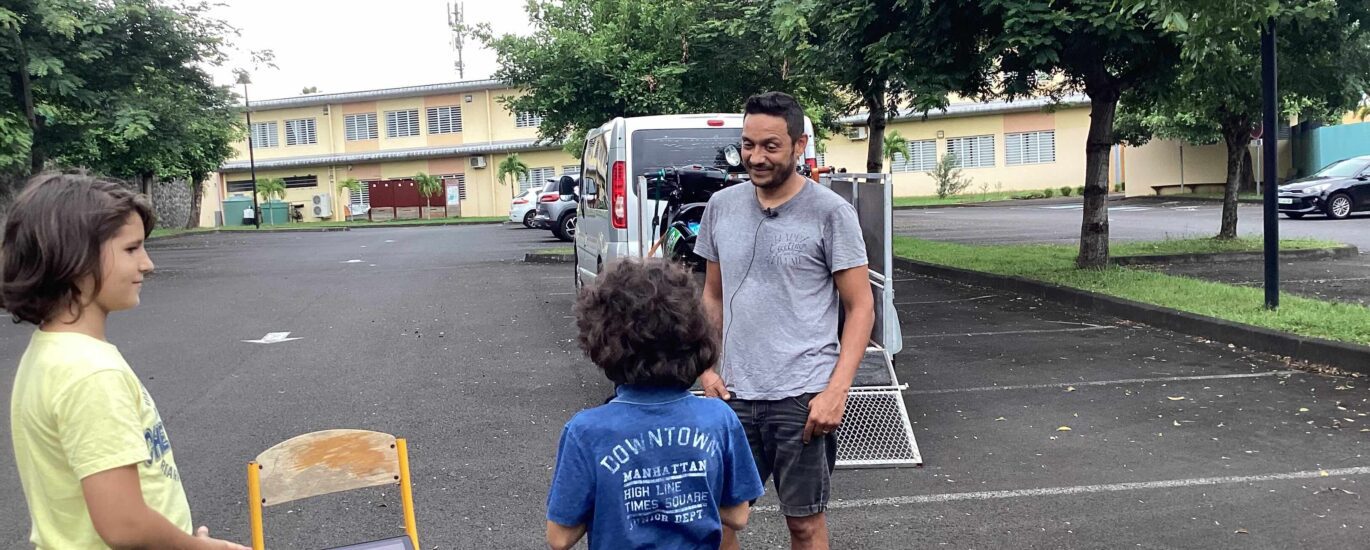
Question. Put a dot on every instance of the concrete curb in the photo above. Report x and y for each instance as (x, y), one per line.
(246, 232)
(1334, 253)
(383, 225)
(1342, 355)
(1180, 198)
(541, 258)
(1027, 202)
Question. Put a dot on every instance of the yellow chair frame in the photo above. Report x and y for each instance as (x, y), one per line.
(326, 462)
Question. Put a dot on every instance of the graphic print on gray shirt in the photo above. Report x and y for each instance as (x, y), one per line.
(780, 303)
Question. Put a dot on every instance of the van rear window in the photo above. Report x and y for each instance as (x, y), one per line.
(657, 149)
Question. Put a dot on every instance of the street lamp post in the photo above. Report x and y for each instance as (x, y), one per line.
(251, 158)
(1270, 164)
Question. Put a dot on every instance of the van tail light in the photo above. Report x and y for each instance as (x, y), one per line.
(715, 122)
(549, 197)
(812, 162)
(618, 195)
(520, 201)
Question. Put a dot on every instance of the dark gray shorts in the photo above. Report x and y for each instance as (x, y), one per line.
(775, 430)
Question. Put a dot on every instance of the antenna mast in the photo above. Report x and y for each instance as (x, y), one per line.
(456, 21)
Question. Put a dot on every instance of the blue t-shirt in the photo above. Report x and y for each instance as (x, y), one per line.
(650, 469)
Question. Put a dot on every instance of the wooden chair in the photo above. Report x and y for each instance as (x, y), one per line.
(326, 462)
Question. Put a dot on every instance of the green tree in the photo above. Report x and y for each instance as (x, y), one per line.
(271, 188)
(887, 55)
(946, 174)
(588, 61)
(1324, 65)
(895, 144)
(1098, 47)
(429, 187)
(118, 84)
(511, 169)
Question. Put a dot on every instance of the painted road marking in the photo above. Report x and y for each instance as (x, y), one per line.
(1086, 489)
(1100, 383)
(1007, 332)
(273, 338)
(975, 299)
(352, 262)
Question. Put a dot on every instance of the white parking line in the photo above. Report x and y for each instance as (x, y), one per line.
(977, 298)
(1085, 489)
(1099, 383)
(1007, 332)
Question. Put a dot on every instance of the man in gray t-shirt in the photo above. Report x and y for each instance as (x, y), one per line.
(784, 255)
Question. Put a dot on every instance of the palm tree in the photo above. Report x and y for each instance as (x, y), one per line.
(270, 188)
(895, 144)
(428, 187)
(511, 166)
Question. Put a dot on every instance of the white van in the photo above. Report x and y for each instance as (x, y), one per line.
(614, 220)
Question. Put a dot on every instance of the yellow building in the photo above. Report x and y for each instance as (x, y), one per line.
(458, 131)
(999, 145)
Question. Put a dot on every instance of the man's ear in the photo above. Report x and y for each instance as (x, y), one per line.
(801, 145)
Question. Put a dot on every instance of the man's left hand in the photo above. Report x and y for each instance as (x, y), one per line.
(825, 413)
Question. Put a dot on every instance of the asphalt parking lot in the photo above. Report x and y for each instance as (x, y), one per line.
(443, 336)
(1141, 219)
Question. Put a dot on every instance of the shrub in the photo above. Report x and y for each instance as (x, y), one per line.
(1048, 192)
(1080, 190)
(948, 177)
(1066, 191)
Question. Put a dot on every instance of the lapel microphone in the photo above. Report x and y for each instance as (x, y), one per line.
(770, 212)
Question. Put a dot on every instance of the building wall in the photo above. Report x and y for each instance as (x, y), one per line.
(1155, 168)
(1070, 126)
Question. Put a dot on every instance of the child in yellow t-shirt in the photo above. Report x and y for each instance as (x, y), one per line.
(94, 458)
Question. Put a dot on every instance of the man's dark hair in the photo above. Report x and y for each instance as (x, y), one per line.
(643, 324)
(778, 104)
(53, 237)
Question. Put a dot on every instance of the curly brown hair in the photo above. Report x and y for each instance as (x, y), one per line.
(643, 324)
(53, 238)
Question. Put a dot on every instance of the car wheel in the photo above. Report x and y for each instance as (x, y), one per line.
(528, 219)
(1294, 215)
(1339, 206)
(566, 228)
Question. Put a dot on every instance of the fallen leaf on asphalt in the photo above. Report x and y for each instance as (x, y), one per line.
(1303, 409)
(1176, 423)
(1323, 473)
(1243, 532)
(1063, 429)
(1181, 398)
(1070, 388)
(1000, 419)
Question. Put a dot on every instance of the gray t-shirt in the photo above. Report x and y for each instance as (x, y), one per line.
(780, 303)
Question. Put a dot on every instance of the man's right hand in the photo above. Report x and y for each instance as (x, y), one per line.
(202, 536)
(714, 386)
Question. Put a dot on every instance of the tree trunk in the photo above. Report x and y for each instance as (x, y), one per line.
(1237, 135)
(23, 89)
(875, 146)
(1248, 173)
(1103, 107)
(197, 193)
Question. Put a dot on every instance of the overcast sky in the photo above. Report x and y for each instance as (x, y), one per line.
(351, 45)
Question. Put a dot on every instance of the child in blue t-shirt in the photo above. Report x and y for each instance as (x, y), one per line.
(656, 467)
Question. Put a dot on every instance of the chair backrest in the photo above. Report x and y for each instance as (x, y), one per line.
(327, 462)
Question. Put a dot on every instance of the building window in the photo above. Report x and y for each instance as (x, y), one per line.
(264, 135)
(240, 186)
(296, 182)
(571, 170)
(973, 151)
(363, 195)
(536, 178)
(402, 123)
(1030, 148)
(458, 180)
(360, 127)
(527, 120)
(822, 159)
(444, 120)
(921, 156)
(300, 132)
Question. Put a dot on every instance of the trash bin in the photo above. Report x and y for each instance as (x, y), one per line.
(234, 208)
(275, 213)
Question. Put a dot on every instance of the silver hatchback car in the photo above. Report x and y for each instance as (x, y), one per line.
(559, 214)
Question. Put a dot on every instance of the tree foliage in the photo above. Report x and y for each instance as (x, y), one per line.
(587, 61)
(895, 144)
(118, 87)
(511, 169)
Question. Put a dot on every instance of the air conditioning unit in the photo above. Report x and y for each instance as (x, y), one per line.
(323, 206)
(857, 133)
(478, 162)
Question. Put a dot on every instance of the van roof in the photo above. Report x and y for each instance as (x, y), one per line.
(730, 120)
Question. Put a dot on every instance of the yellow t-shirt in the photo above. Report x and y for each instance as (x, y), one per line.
(77, 410)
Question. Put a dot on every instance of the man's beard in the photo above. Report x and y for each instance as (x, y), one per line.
(779, 174)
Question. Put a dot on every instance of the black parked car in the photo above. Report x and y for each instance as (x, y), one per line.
(1338, 190)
